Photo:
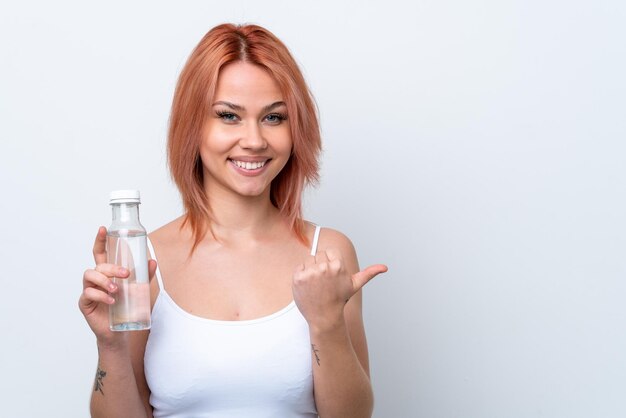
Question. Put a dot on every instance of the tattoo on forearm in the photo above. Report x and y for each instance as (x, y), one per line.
(100, 374)
(315, 352)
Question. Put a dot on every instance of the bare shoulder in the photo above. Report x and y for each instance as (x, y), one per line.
(168, 232)
(331, 238)
(169, 240)
(334, 237)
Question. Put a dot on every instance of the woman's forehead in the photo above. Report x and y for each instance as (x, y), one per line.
(247, 84)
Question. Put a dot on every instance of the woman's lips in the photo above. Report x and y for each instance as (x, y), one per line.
(249, 168)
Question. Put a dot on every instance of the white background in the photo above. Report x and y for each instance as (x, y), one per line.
(476, 147)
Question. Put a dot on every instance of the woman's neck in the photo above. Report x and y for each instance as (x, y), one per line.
(236, 217)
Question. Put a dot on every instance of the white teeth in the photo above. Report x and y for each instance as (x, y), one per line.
(249, 165)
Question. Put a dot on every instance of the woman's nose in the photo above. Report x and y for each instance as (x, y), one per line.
(253, 138)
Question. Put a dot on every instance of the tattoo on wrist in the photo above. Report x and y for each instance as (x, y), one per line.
(100, 374)
(315, 352)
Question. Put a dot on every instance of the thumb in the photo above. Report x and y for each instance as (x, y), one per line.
(362, 277)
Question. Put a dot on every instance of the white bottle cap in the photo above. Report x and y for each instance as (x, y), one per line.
(124, 196)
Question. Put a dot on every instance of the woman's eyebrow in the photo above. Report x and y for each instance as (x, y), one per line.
(229, 104)
(241, 108)
(273, 106)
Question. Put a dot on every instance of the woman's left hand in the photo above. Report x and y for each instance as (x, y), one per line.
(322, 286)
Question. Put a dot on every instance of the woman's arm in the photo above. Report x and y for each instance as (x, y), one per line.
(340, 367)
(120, 388)
(342, 386)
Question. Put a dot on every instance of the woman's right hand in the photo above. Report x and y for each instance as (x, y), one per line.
(95, 300)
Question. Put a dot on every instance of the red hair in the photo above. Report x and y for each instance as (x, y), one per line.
(195, 90)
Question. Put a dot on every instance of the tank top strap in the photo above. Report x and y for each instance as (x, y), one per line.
(316, 237)
(158, 271)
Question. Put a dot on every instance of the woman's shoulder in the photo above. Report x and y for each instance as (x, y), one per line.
(170, 232)
(330, 238)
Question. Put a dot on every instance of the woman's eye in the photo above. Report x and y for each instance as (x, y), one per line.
(227, 116)
(275, 118)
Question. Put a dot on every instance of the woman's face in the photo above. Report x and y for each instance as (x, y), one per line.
(246, 139)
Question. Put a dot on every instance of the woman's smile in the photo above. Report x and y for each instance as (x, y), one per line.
(248, 166)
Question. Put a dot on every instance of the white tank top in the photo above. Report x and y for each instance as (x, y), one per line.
(200, 368)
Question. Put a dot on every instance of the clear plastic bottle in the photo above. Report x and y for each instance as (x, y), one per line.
(126, 247)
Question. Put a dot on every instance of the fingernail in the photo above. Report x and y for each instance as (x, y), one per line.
(111, 300)
(112, 287)
(123, 271)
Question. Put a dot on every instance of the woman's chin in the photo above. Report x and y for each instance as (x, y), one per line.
(252, 192)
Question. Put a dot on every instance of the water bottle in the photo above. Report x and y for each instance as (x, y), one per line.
(126, 247)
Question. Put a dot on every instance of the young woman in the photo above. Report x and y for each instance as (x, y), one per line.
(255, 312)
